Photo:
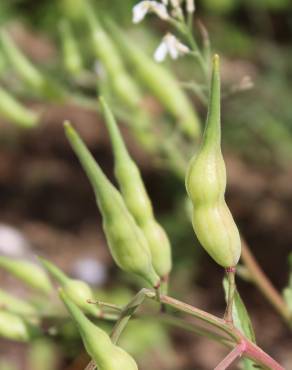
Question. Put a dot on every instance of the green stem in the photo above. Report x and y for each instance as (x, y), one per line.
(230, 298)
(127, 312)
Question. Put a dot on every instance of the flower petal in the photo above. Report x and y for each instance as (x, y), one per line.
(160, 52)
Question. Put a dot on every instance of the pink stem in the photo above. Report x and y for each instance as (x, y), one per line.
(255, 353)
(232, 356)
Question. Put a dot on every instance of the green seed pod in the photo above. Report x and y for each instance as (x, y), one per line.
(126, 240)
(160, 82)
(78, 291)
(15, 328)
(72, 59)
(28, 72)
(136, 197)
(13, 111)
(28, 272)
(206, 184)
(16, 305)
(104, 353)
(122, 84)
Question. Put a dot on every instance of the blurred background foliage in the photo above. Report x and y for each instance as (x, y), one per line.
(45, 196)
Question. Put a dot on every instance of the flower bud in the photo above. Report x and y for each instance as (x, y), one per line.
(16, 305)
(13, 327)
(160, 82)
(13, 111)
(126, 241)
(78, 291)
(104, 353)
(28, 272)
(136, 197)
(206, 184)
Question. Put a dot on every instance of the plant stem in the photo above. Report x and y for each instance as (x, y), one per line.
(127, 312)
(231, 290)
(231, 357)
(201, 315)
(194, 328)
(251, 350)
(264, 284)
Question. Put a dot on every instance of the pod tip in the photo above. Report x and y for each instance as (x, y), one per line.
(216, 60)
(67, 124)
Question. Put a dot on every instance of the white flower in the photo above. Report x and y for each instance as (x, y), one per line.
(190, 6)
(172, 46)
(141, 9)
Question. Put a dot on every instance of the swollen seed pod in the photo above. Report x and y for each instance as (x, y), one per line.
(13, 327)
(136, 197)
(13, 111)
(72, 59)
(160, 82)
(98, 344)
(28, 272)
(126, 240)
(16, 305)
(122, 84)
(206, 184)
(28, 72)
(78, 291)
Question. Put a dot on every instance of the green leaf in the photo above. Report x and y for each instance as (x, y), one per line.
(241, 321)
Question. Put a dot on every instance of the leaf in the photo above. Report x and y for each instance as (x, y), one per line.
(241, 321)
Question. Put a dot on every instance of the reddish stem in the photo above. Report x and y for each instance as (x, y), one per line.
(232, 356)
(264, 284)
(255, 353)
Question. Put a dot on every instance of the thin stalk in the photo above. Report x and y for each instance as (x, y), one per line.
(231, 357)
(231, 291)
(201, 315)
(127, 312)
(264, 284)
(193, 328)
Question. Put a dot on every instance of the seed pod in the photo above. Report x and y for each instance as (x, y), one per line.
(126, 240)
(72, 59)
(78, 291)
(13, 111)
(28, 72)
(104, 353)
(122, 84)
(159, 81)
(14, 327)
(136, 197)
(206, 184)
(28, 272)
(16, 305)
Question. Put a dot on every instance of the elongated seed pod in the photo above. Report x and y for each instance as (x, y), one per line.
(28, 72)
(136, 197)
(122, 84)
(98, 344)
(78, 291)
(159, 81)
(15, 112)
(14, 327)
(126, 240)
(16, 305)
(72, 59)
(28, 272)
(206, 184)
